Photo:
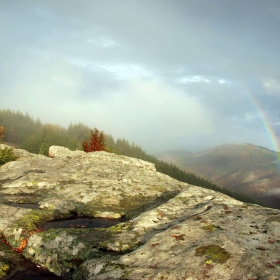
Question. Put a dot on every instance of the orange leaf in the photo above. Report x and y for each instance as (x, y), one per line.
(22, 245)
(178, 236)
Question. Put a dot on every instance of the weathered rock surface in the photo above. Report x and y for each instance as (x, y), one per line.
(172, 230)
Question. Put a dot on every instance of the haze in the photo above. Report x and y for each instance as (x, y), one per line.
(165, 74)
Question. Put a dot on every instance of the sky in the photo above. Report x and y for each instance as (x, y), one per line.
(184, 74)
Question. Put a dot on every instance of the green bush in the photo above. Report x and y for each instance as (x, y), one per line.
(7, 155)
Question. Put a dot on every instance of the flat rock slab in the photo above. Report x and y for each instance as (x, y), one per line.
(173, 230)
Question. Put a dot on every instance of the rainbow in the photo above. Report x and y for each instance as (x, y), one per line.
(266, 124)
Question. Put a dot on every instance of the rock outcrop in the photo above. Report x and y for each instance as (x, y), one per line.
(167, 229)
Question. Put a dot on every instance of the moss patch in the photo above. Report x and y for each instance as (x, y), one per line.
(4, 268)
(211, 227)
(112, 266)
(120, 227)
(29, 221)
(26, 226)
(213, 253)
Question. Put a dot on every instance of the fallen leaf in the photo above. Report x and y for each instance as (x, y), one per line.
(22, 246)
(154, 244)
(262, 248)
(178, 236)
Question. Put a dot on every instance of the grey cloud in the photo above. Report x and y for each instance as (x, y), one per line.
(130, 59)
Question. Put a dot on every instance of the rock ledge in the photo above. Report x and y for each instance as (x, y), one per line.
(172, 230)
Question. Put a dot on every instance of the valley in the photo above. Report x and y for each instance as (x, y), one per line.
(244, 168)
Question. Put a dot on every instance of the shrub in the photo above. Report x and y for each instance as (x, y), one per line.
(7, 155)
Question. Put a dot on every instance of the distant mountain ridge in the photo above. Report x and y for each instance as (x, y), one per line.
(242, 167)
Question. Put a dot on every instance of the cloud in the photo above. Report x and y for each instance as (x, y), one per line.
(272, 86)
(48, 90)
(150, 112)
(201, 79)
(223, 81)
(193, 79)
(102, 42)
(120, 71)
(126, 71)
(248, 117)
(164, 74)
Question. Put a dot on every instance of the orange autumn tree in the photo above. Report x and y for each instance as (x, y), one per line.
(97, 142)
(2, 132)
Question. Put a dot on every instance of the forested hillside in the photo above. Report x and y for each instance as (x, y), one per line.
(242, 167)
(32, 135)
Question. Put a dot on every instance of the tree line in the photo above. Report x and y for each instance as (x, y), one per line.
(22, 131)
